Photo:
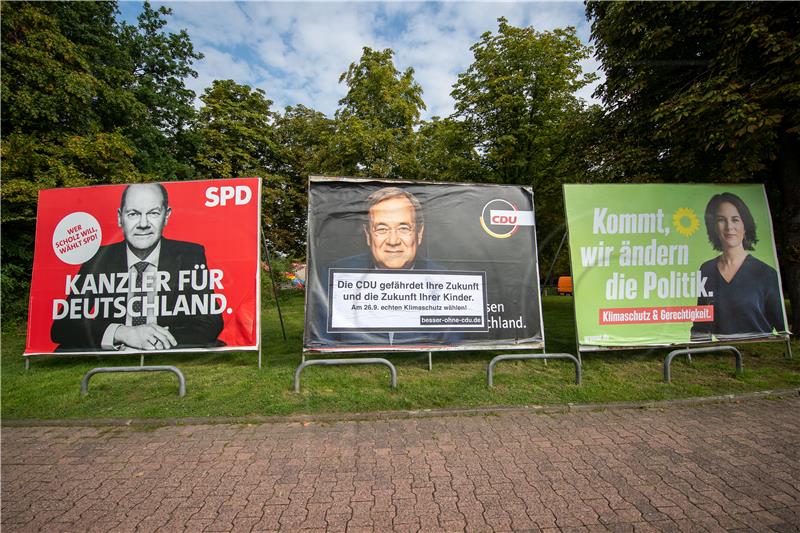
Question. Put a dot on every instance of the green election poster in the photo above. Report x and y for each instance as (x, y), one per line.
(660, 264)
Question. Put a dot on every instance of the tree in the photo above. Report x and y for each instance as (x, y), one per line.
(516, 96)
(237, 137)
(446, 151)
(161, 62)
(304, 137)
(51, 132)
(707, 92)
(72, 113)
(235, 132)
(376, 119)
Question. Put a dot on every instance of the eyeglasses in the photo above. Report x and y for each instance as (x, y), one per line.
(404, 230)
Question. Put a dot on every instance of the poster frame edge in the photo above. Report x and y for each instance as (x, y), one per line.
(422, 349)
(110, 353)
(578, 346)
(539, 345)
(248, 348)
(259, 229)
(775, 258)
(529, 190)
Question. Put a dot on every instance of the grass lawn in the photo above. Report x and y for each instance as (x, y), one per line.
(230, 384)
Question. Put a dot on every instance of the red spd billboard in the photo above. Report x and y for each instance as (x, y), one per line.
(148, 267)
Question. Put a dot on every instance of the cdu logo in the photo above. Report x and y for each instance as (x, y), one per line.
(501, 219)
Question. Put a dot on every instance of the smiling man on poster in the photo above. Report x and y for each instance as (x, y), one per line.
(393, 233)
(143, 292)
(394, 230)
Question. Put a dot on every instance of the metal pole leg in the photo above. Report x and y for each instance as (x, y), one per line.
(711, 349)
(331, 362)
(114, 369)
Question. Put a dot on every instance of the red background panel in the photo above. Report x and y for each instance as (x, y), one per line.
(229, 233)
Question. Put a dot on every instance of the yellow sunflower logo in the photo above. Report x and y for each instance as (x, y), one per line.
(685, 221)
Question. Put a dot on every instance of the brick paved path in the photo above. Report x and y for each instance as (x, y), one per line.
(708, 467)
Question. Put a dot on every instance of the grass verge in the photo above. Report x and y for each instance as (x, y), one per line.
(230, 384)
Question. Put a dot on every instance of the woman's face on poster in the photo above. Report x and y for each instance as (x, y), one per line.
(730, 226)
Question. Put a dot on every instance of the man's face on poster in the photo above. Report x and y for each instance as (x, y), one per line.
(392, 233)
(142, 217)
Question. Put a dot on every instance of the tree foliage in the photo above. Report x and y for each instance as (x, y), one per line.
(235, 132)
(446, 151)
(304, 137)
(85, 100)
(161, 62)
(376, 119)
(516, 96)
(706, 91)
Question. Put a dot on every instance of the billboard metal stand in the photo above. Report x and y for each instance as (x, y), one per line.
(553, 263)
(788, 346)
(274, 286)
(113, 369)
(709, 349)
(544, 356)
(330, 362)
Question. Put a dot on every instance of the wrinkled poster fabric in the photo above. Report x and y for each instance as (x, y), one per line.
(420, 266)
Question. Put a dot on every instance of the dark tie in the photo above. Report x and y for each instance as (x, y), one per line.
(138, 294)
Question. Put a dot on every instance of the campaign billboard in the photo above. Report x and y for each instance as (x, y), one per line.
(146, 267)
(666, 264)
(407, 266)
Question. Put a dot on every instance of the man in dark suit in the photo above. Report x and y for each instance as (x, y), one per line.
(160, 309)
(394, 230)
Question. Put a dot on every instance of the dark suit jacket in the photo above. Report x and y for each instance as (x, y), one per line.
(192, 331)
(317, 336)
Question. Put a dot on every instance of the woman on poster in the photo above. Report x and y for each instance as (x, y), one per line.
(744, 291)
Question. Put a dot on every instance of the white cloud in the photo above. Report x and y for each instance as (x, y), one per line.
(211, 24)
(296, 51)
(218, 65)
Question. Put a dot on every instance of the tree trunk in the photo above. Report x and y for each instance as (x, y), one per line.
(788, 218)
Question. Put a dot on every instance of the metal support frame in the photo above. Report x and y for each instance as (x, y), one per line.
(330, 362)
(274, 286)
(694, 351)
(430, 361)
(788, 346)
(553, 262)
(545, 356)
(112, 369)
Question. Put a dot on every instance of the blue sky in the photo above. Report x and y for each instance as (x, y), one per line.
(296, 51)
